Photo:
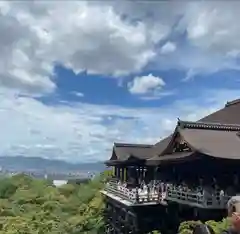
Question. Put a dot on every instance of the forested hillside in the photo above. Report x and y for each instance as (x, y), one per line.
(30, 206)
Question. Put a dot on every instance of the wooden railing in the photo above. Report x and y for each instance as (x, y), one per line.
(197, 199)
(194, 199)
(133, 195)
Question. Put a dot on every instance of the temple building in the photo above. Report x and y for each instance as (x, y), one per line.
(190, 175)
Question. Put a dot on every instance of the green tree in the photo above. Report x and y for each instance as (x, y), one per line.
(7, 188)
(34, 206)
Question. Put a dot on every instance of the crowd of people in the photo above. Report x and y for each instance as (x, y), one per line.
(207, 192)
(233, 204)
(204, 194)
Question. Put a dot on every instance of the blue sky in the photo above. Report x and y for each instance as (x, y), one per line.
(72, 84)
(97, 89)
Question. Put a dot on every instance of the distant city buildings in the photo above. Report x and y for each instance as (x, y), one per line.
(58, 178)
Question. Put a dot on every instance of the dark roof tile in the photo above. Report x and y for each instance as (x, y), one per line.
(210, 142)
(215, 143)
(124, 151)
(156, 160)
(230, 114)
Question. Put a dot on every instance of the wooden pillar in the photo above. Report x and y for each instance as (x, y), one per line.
(139, 175)
(113, 171)
(142, 174)
(117, 172)
(135, 174)
(120, 171)
(126, 173)
(122, 174)
(155, 173)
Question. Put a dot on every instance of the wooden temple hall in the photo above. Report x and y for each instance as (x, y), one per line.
(189, 175)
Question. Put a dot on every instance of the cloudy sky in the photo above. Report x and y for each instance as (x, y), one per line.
(76, 76)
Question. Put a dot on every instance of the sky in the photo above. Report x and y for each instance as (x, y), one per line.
(77, 76)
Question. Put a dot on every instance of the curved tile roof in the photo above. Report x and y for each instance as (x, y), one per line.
(156, 160)
(215, 135)
(123, 151)
(211, 139)
(230, 114)
(215, 143)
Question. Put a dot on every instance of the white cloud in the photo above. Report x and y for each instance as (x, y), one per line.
(145, 84)
(84, 132)
(36, 36)
(207, 31)
(19, 66)
(211, 26)
(78, 94)
(167, 48)
(212, 36)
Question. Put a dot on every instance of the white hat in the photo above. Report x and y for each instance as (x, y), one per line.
(234, 202)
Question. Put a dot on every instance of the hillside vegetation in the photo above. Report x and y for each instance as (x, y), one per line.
(31, 206)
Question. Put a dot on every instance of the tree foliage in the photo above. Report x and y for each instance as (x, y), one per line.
(32, 206)
(218, 227)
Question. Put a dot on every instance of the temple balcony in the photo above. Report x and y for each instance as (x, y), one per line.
(133, 196)
(136, 196)
(197, 199)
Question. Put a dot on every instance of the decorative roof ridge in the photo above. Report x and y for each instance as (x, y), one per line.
(132, 145)
(233, 102)
(207, 125)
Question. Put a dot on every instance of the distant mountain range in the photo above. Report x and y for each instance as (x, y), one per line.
(20, 163)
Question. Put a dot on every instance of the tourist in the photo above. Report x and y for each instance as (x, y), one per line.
(222, 198)
(233, 207)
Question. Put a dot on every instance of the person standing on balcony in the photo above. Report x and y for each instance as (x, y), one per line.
(222, 198)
